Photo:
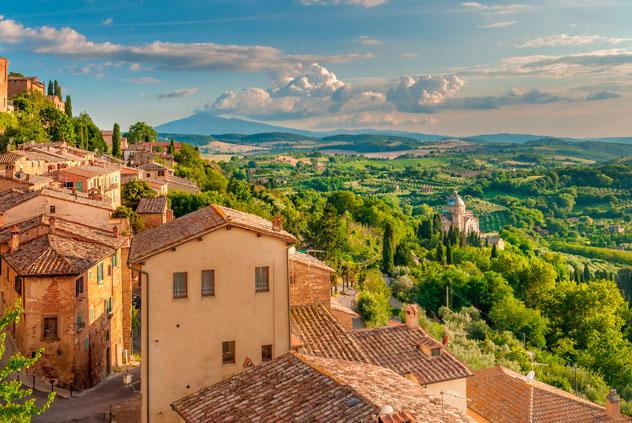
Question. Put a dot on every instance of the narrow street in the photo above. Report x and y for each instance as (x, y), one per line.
(94, 404)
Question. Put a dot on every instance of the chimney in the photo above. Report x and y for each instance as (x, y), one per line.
(277, 223)
(613, 406)
(388, 415)
(15, 239)
(115, 232)
(412, 316)
(51, 225)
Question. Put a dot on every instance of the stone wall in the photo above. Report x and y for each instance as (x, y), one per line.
(309, 284)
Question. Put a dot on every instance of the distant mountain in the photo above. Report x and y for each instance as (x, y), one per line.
(505, 138)
(205, 123)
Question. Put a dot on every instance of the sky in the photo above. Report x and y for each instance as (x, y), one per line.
(546, 67)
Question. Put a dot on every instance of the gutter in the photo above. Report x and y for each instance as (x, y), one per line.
(145, 301)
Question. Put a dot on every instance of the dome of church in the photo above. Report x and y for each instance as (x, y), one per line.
(455, 199)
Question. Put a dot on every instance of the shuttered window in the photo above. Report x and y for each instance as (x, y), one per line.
(180, 285)
(261, 279)
(208, 283)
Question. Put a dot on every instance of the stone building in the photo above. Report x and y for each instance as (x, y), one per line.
(154, 211)
(20, 84)
(70, 280)
(4, 85)
(158, 175)
(459, 217)
(215, 290)
(100, 181)
(310, 280)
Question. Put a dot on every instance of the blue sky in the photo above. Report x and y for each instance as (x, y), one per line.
(558, 67)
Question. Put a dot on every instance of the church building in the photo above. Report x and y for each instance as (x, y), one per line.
(457, 216)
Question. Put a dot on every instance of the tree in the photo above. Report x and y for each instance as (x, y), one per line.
(140, 132)
(116, 140)
(133, 191)
(172, 148)
(587, 275)
(449, 259)
(439, 253)
(388, 248)
(425, 230)
(50, 90)
(330, 234)
(494, 253)
(56, 89)
(68, 106)
(16, 402)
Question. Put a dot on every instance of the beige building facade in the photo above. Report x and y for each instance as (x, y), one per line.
(215, 289)
(4, 85)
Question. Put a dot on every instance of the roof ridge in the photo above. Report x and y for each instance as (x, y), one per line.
(60, 255)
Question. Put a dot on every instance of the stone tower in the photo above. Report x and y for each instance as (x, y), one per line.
(4, 84)
(456, 207)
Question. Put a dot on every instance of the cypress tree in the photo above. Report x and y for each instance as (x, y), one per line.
(494, 253)
(58, 92)
(388, 249)
(68, 106)
(439, 254)
(448, 254)
(55, 87)
(50, 90)
(172, 148)
(116, 140)
(587, 275)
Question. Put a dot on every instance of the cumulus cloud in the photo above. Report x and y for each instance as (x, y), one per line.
(511, 97)
(602, 95)
(184, 92)
(423, 93)
(166, 55)
(364, 3)
(369, 41)
(569, 40)
(494, 9)
(495, 25)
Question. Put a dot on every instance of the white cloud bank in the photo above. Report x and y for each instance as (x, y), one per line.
(559, 40)
(363, 3)
(184, 92)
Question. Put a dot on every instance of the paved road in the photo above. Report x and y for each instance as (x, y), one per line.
(94, 404)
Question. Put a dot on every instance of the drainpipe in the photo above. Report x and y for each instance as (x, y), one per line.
(145, 301)
(289, 300)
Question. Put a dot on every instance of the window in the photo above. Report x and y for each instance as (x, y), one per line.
(208, 283)
(52, 209)
(109, 270)
(228, 352)
(115, 260)
(266, 353)
(80, 323)
(261, 279)
(161, 173)
(86, 344)
(100, 273)
(18, 285)
(107, 306)
(180, 285)
(149, 175)
(79, 286)
(49, 328)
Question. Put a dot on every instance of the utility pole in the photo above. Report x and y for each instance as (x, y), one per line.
(447, 296)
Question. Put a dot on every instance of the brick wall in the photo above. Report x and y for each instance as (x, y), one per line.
(309, 284)
(4, 84)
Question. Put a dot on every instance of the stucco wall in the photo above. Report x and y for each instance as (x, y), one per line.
(457, 387)
(186, 335)
(309, 284)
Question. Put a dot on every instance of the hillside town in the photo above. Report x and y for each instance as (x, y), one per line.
(218, 313)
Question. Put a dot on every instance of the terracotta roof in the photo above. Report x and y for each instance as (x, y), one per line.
(5, 232)
(125, 178)
(180, 181)
(156, 205)
(194, 224)
(89, 171)
(11, 198)
(8, 158)
(502, 395)
(320, 334)
(399, 348)
(311, 261)
(297, 388)
(153, 166)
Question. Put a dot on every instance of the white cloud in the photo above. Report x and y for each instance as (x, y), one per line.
(369, 41)
(602, 95)
(570, 40)
(364, 3)
(184, 92)
(145, 80)
(408, 56)
(166, 55)
(108, 21)
(495, 25)
(423, 93)
(505, 9)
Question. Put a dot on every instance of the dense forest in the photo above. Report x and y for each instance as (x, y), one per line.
(553, 301)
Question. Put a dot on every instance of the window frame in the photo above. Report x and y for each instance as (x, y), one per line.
(232, 360)
(267, 277)
(212, 281)
(173, 286)
(18, 284)
(264, 355)
(79, 286)
(51, 209)
(44, 336)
